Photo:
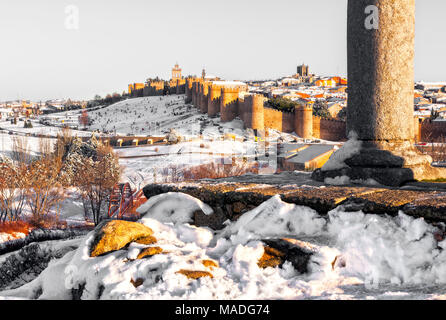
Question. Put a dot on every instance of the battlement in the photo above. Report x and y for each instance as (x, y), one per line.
(234, 90)
(328, 120)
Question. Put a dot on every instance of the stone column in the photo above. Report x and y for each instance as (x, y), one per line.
(380, 97)
(380, 71)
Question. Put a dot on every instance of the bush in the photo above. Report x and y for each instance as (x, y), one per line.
(282, 104)
(215, 170)
(11, 227)
(320, 108)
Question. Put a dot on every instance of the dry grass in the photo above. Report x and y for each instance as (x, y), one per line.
(48, 221)
(211, 170)
(215, 170)
(11, 227)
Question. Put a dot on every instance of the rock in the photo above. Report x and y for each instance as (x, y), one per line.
(338, 262)
(195, 274)
(214, 220)
(111, 235)
(210, 264)
(148, 252)
(271, 258)
(147, 240)
(239, 207)
(173, 137)
(277, 251)
(138, 282)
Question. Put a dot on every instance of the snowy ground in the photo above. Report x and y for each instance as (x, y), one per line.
(356, 256)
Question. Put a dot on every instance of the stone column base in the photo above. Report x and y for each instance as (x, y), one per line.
(390, 164)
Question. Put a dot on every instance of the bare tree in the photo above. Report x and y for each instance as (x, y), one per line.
(44, 189)
(96, 179)
(13, 181)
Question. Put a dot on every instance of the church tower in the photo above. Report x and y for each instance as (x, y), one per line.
(203, 74)
(176, 72)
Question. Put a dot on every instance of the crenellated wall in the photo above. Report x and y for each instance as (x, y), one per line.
(329, 129)
(217, 97)
(278, 120)
(251, 110)
(213, 98)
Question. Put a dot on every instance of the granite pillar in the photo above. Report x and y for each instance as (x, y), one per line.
(380, 97)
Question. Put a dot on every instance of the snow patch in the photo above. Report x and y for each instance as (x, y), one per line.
(173, 207)
(350, 148)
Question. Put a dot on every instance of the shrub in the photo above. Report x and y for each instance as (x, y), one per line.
(11, 227)
(213, 170)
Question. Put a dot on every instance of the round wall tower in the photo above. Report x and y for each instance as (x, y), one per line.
(194, 94)
(303, 123)
(204, 97)
(257, 112)
(214, 100)
(188, 90)
(228, 103)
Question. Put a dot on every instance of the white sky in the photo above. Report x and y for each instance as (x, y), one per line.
(119, 42)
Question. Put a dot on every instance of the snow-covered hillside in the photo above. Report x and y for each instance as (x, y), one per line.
(156, 115)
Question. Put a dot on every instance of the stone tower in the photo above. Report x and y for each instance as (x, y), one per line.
(303, 70)
(228, 103)
(303, 120)
(176, 72)
(380, 104)
(254, 111)
(214, 100)
(204, 97)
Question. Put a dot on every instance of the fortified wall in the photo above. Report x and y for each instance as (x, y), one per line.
(226, 99)
(217, 98)
(231, 100)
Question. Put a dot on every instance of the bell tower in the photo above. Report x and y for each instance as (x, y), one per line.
(176, 72)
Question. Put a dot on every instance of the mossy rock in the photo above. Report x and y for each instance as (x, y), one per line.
(112, 235)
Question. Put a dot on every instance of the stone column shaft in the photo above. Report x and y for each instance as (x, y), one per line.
(380, 70)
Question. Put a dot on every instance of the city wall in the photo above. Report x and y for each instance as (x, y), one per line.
(227, 102)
